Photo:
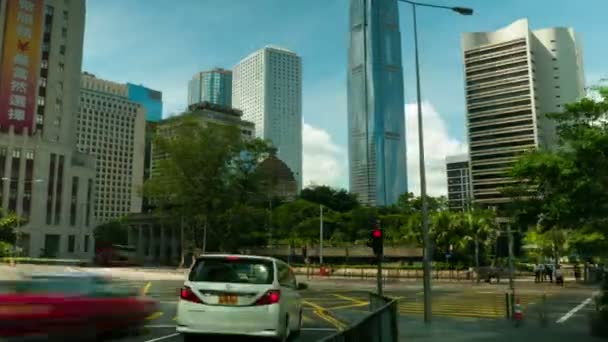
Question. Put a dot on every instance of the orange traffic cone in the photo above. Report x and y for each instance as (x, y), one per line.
(518, 315)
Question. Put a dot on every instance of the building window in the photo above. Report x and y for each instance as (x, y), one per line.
(51, 189)
(74, 201)
(61, 67)
(59, 190)
(71, 243)
(64, 32)
(86, 243)
(62, 49)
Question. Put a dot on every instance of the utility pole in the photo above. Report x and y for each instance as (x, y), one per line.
(321, 234)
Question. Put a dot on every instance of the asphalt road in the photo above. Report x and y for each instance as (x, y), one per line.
(161, 326)
(461, 311)
(457, 305)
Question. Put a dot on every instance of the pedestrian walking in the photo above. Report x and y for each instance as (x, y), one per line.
(536, 273)
(549, 271)
(541, 271)
(559, 276)
(577, 272)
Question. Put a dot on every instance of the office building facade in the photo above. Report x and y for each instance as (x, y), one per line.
(376, 119)
(213, 86)
(44, 179)
(514, 76)
(459, 182)
(267, 87)
(112, 128)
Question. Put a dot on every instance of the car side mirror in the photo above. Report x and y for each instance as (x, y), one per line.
(302, 286)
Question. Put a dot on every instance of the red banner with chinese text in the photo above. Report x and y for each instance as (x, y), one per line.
(20, 67)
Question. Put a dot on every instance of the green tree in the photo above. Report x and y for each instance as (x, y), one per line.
(205, 170)
(112, 232)
(336, 199)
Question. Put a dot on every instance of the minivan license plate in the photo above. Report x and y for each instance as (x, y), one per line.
(228, 299)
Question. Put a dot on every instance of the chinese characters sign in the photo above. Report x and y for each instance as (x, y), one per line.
(20, 66)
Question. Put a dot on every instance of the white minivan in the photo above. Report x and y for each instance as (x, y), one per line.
(240, 295)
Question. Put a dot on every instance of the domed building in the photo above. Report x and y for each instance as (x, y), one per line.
(280, 179)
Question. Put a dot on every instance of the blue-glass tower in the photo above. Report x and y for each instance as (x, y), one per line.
(376, 119)
(214, 86)
(151, 100)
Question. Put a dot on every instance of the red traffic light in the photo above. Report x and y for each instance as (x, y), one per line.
(377, 233)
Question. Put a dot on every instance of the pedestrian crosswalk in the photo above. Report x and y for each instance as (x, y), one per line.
(464, 305)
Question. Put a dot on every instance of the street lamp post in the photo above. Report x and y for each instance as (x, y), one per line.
(18, 228)
(425, 218)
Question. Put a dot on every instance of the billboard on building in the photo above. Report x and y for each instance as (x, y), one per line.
(20, 65)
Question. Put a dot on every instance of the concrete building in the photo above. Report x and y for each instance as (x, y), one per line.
(214, 86)
(205, 113)
(459, 182)
(376, 120)
(267, 87)
(112, 128)
(514, 76)
(43, 177)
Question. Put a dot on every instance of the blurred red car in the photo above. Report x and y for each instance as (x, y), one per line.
(74, 306)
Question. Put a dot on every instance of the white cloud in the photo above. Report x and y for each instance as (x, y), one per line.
(437, 145)
(324, 161)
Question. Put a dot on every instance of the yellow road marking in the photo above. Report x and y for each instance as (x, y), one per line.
(154, 316)
(145, 289)
(320, 311)
(347, 306)
(351, 299)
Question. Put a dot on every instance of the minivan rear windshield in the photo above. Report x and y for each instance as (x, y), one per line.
(232, 270)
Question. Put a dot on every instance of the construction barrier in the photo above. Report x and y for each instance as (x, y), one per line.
(379, 326)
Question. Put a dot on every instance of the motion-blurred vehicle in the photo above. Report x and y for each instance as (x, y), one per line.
(240, 295)
(115, 255)
(70, 307)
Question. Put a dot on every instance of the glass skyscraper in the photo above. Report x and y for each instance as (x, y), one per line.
(376, 122)
(214, 86)
(151, 100)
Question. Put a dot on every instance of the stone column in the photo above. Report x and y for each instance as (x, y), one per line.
(140, 241)
(174, 239)
(151, 242)
(163, 245)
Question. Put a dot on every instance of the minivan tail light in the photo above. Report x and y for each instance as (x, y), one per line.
(270, 297)
(188, 295)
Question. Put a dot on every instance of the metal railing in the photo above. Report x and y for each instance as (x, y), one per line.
(381, 325)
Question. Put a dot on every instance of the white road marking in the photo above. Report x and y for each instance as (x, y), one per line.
(162, 338)
(575, 309)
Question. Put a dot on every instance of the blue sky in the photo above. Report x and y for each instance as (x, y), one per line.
(161, 44)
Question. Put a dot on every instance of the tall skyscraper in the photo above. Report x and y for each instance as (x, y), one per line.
(213, 86)
(267, 86)
(43, 178)
(515, 76)
(151, 100)
(376, 119)
(112, 128)
(459, 182)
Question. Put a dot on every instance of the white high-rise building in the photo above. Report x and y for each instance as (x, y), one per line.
(267, 87)
(112, 128)
(514, 77)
